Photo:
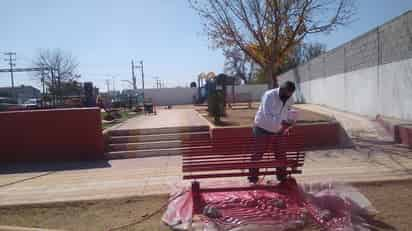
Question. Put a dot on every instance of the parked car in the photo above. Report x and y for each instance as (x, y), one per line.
(32, 104)
(9, 104)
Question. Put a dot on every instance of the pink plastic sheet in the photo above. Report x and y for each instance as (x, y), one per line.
(281, 207)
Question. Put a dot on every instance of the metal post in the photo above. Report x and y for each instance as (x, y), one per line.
(11, 64)
(141, 66)
(53, 87)
(60, 96)
(133, 77)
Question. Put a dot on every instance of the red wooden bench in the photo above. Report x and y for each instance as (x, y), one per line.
(232, 157)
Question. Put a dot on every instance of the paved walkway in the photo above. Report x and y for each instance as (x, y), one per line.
(373, 159)
(355, 125)
(165, 118)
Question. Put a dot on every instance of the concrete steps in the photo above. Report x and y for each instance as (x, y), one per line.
(148, 152)
(159, 137)
(155, 141)
(156, 131)
(153, 145)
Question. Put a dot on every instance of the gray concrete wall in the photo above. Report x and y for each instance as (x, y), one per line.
(179, 96)
(369, 75)
(254, 91)
(171, 96)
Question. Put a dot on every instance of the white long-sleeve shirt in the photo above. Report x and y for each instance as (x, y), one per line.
(272, 111)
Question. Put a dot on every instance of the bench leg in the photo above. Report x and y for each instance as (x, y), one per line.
(196, 197)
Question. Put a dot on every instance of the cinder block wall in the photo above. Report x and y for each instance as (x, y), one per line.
(369, 75)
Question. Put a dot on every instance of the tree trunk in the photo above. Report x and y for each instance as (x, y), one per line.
(275, 83)
(271, 78)
(271, 74)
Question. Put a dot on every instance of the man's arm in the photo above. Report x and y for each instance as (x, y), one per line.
(287, 124)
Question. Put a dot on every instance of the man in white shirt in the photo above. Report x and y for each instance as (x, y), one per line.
(271, 118)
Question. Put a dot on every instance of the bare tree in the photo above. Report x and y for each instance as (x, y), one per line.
(237, 64)
(301, 54)
(268, 30)
(61, 68)
(311, 51)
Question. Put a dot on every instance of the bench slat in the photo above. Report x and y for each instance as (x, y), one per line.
(239, 165)
(235, 151)
(234, 155)
(235, 174)
(206, 163)
(241, 156)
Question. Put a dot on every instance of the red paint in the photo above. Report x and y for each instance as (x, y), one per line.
(316, 135)
(51, 135)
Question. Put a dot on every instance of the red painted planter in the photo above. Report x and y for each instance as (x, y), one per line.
(403, 134)
(51, 135)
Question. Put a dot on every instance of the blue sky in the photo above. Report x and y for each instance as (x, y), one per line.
(105, 35)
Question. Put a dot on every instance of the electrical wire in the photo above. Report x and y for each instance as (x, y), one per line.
(26, 179)
(145, 218)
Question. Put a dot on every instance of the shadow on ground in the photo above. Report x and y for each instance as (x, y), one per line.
(13, 168)
(370, 223)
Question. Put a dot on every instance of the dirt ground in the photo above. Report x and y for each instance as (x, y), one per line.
(393, 200)
(243, 116)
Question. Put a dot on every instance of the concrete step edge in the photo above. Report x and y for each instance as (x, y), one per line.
(155, 142)
(156, 137)
(146, 153)
(150, 146)
(157, 131)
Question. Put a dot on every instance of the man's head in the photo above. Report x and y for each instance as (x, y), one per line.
(286, 90)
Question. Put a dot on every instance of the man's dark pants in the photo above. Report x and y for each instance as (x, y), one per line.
(262, 142)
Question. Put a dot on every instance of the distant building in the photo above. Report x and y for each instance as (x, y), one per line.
(22, 93)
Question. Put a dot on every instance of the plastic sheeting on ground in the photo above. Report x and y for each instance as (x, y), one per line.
(284, 206)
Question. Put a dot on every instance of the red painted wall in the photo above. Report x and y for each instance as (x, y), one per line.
(317, 135)
(49, 135)
(403, 134)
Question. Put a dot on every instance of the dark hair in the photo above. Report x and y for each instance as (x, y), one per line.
(289, 86)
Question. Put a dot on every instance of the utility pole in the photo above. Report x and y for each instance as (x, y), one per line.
(142, 72)
(108, 86)
(53, 86)
(42, 83)
(114, 86)
(141, 66)
(59, 86)
(156, 82)
(12, 57)
(133, 76)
